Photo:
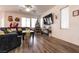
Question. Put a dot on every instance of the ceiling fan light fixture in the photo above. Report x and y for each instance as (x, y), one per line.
(28, 9)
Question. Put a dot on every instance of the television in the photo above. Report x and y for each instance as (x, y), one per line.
(48, 19)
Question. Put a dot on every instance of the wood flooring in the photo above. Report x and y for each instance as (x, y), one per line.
(45, 44)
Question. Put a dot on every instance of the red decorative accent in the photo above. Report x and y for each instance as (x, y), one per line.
(14, 25)
(10, 25)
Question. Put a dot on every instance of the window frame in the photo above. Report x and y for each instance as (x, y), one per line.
(61, 20)
(31, 19)
(2, 23)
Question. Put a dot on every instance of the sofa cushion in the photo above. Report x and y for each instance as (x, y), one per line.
(2, 33)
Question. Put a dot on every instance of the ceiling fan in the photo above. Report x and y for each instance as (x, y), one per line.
(32, 9)
(28, 8)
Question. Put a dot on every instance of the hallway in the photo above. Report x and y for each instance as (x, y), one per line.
(44, 44)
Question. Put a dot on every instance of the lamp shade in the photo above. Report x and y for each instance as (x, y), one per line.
(10, 18)
(17, 19)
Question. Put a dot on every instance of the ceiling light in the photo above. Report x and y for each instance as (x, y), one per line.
(28, 9)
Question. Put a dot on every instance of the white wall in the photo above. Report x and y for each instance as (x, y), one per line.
(70, 35)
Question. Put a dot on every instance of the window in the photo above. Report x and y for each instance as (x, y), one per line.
(23, 24)
(41, 22)
(65, 18)
(1, 21)
(27, 22)
(33, 22)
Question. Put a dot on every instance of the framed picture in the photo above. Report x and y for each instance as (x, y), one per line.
(56, 17)
(76, 13)
(48, 19)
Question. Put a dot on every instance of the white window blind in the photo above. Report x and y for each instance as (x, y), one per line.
(2, 21)
(65, 18)
(23, 20)
(27, 22)
(41, 22)
(33, 22)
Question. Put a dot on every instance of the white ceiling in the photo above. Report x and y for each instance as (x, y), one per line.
(38, 9)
